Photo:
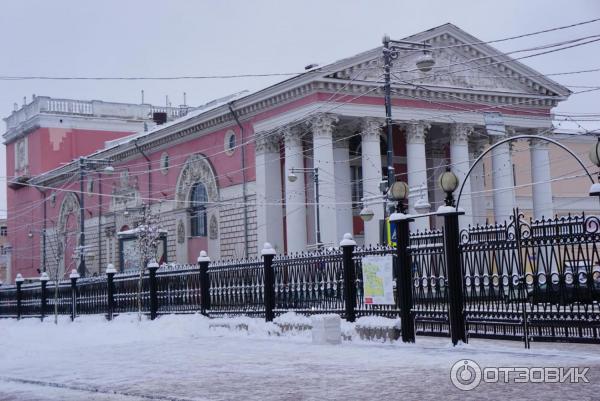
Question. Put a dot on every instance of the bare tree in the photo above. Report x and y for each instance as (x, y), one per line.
(148, 237)
(59, 241)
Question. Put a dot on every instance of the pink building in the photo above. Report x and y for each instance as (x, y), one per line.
(218, 175)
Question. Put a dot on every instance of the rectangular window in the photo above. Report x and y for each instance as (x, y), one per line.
(198, 222)
(3, 231)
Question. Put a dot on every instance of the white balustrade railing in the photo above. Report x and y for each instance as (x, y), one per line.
(43, 104)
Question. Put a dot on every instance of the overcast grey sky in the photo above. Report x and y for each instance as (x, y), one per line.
(171, 38)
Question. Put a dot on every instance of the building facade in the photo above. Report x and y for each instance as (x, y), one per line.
(219, 176)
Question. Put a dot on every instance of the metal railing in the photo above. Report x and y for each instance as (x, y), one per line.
(521, 280)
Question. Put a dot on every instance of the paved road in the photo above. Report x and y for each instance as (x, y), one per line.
(203, 364)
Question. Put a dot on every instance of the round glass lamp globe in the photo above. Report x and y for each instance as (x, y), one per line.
(448, 182)
(425, 62)
(399, 191)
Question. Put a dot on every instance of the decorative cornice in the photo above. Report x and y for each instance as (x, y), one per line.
(323, 125)
(267, 142)
(292, 136)
(540, 143)
(460, 133)
(416, 132)
(371, 129)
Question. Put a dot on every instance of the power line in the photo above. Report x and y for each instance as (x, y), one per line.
(273, 74)
(477, 67)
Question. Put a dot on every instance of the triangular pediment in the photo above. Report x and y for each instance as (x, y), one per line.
(462, 63)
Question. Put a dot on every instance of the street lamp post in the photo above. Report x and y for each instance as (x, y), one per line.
(424, 63)
(399, 193)
(315, 172)
(449, 183)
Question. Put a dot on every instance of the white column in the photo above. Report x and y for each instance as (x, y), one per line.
(322, 127)
(269, 213)
(295, 197)
(540, 177)
(311, 222)
(478, 197)
(371, 175)
(416, 165)
(502, 180)
(459, 158)
(343, 189)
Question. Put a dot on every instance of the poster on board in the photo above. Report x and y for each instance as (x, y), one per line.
(378, 280)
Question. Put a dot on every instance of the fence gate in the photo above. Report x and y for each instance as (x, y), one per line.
(533, 279)
(430, 283)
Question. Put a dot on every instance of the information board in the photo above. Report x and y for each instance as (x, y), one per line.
(378, 280)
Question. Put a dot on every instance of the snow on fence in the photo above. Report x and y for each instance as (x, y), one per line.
(536, 280)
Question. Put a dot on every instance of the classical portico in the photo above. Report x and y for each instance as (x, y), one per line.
(440, 121)
(323, 143)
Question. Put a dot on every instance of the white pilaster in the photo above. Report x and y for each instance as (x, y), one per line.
(502, 180)
(295, 197)
(343, 187)
(459, 158)
(416, 165)
(269, 213)
(322, 127)
(371, 175)
(540, 178)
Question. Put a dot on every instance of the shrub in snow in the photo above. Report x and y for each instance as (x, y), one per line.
(290, 321)
(247, 325)
(372, 328)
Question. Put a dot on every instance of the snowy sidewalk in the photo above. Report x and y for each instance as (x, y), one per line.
(180, 358)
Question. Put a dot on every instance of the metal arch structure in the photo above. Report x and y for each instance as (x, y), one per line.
(514, 138)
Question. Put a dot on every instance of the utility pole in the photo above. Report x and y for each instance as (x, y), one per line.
(424, 63)
(387, 65)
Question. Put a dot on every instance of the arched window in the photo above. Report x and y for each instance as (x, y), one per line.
(198, 199)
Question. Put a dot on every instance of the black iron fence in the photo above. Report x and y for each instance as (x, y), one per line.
(522, 280)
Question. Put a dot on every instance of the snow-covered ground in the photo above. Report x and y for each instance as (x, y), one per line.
(182, 358)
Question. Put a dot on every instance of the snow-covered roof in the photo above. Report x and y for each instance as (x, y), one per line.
(193, 113)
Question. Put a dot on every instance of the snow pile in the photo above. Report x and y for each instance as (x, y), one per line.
(348, 330)
(378, 328)
(292, 319)
(244, 325)
(377, 322)
(293, 323)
